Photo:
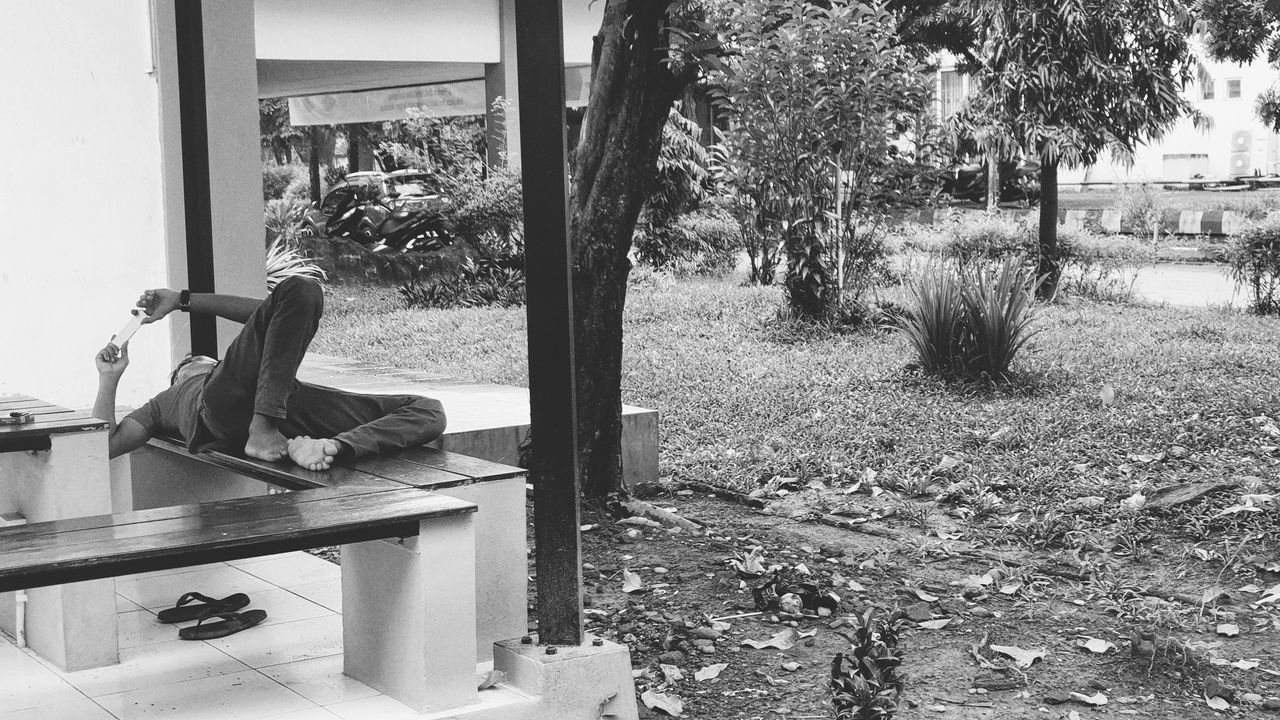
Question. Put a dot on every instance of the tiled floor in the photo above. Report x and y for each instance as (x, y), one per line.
(288, 668)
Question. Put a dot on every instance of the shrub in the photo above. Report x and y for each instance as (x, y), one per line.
(703, 242)
(988, 237)
(276, 179)
(1101, 267)
(970, 321)
(476, 284)
(283, 220)
(491, 209)
(1140, 209)
(1255, 263)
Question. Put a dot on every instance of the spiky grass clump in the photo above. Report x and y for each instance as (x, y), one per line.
(285, 260)
(971, 321)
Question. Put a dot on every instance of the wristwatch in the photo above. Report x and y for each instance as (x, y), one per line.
(184, 301)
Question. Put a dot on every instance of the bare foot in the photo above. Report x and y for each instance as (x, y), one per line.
(313, 454)
(266, 442)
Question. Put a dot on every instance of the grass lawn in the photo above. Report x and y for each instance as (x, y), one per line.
(743, 404)
(1015, 508)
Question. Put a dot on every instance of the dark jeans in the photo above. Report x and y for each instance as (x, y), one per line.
(258, 375)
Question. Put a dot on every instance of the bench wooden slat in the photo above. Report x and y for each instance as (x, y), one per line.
(473, 467)
(9, 404)
(260, 503)
(284, 474)
(60, 557)
(409, 473)
(14, 397)
(52, 425)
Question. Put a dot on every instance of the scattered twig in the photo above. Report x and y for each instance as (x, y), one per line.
(734, 617)
(653, 512)
(724, 493)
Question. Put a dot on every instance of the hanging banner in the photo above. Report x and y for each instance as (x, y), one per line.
(466, 97)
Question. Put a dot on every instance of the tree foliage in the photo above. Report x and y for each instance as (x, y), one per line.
(1064, 81)
(819, 92)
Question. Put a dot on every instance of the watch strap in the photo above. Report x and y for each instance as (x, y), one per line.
(184, 301)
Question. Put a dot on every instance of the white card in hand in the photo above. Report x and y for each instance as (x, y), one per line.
(131, 327)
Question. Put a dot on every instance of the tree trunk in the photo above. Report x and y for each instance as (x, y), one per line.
(1050, 268)
(353, 150)
(313, 161)
(993, 182)
(632, 89)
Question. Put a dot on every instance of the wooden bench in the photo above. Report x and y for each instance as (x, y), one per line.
(165, 474)
(90, 548)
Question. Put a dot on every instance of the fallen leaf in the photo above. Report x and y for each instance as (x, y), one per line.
(1073, 715)
(669, 704)
(1011, 588)
(935, 624)
(709, 672)
(936, 708)
(1097, 645)
(1217, 703)
(1229, 629)
(1095, 699)
(631, 582)
(923, 595)
(1134, 502)
(855, 586)
(671, 673)
(489, 679)
(783, 640)
(1271, 595)
(1107, 394)
(1246, 664)
(791, 666)
(1251, 589)
(1022, 658)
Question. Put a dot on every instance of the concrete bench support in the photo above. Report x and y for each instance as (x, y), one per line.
(407, 619)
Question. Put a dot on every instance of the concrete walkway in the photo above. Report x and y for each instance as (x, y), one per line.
(288, 668)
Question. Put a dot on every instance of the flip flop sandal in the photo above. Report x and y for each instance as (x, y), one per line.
(231, 623)
(183, 612)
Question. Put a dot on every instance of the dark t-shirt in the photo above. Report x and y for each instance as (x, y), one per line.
(176, 413)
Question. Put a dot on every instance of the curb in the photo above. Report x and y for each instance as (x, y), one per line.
(1176, 222)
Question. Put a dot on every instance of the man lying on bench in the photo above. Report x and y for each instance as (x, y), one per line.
(252, 401)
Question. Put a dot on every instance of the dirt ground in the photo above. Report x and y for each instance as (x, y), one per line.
(694, 610)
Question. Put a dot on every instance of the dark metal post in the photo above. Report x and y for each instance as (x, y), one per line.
(193, 116)
(552, 392)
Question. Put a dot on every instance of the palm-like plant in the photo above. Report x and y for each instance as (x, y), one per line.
(934, 326)
(285, 260)
(971, 321)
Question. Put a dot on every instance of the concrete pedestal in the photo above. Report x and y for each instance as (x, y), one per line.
(73, 626)
(586, 682)
(408, 615)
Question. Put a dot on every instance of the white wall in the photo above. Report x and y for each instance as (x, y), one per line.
(81, 196)
(1229, 116)
(396, 30)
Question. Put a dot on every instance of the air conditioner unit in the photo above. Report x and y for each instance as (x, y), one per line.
(1241, 163)
(1241, 141)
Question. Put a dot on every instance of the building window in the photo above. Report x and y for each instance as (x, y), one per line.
(952, 93)
(1233, 88)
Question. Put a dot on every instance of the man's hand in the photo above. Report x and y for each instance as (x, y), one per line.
(112, 361)
(157, 303)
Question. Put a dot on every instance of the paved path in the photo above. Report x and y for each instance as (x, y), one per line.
(1196, 285)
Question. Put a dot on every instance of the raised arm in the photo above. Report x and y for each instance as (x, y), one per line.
(162, 301)
(127, 435)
